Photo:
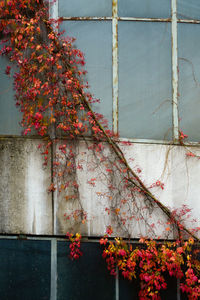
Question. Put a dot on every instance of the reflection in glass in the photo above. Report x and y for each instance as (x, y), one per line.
(189, 79)
(25, 269)
(9, 114)
(94, 39)
(189, 9)
(85, 279)
(144, 8)
(86, 8)
(145, 92)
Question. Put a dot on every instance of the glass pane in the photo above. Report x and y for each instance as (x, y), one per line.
(171, 290)
(145, 92)
(86, 8)
(25, 269)
(196, 257)
(94, 39)
(9, 114)
(189, 9)
(130, 289)
(144, 8)
(189, 79)
(86, 278)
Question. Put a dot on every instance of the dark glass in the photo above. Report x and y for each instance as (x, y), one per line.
(25, 269)
(171, 290)
(128, 289)
(86, 278)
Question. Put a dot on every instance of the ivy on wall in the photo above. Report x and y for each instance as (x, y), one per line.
(53, 97)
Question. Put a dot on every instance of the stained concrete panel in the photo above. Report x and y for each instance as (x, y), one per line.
(25, 205)
(167, 164)
(97, 200)
(171, 165)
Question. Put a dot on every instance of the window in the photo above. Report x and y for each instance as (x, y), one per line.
(142, 61)
(40, 268)
(25, 269)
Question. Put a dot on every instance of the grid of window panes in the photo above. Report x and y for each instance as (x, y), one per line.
(143, 63)
(40, 268)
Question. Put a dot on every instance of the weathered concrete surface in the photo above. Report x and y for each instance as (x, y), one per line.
(25, 205)
(165, 163)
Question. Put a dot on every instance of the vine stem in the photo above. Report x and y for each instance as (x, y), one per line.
(120, 154)
(141, 185)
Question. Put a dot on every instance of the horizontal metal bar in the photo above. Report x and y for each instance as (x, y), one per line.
(121, 139)
(86, 18)
(144, 19)
(145, 141)
(126, 19)
(159, 142)
(23, 137)
(118, 18)
(83, 240)
(16, 237)
(188, 21)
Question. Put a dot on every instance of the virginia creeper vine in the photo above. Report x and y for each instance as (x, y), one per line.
(53, 97)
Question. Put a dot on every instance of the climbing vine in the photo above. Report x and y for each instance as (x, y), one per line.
(53, 96)
(151, 262)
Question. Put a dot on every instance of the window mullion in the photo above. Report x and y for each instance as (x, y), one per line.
(115, 65)
(53, 10)
(175, 71)
(53, 269)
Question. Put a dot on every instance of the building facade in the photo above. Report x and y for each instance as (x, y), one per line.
(143, 64)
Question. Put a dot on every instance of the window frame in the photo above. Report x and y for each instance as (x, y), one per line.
(115, 18)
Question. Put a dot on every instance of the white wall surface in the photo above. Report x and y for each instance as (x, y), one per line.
(26, 206)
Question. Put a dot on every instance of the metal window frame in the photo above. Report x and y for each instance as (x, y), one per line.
(115, 79)
(174, 20)
(115, 92)
(54, 241)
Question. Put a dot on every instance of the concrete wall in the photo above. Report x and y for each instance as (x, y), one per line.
(27, 207)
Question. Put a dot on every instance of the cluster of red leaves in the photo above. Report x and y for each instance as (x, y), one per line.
(158, 183)
(75, 244)
(182, 136)
(151, 262)
(51, 94)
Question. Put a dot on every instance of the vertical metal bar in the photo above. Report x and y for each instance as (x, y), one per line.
(175, 71)
(178, 290)
(53, 269)
(117, 284)
(115, 65)
(53, 10)
(54, 193)
(53, 14)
